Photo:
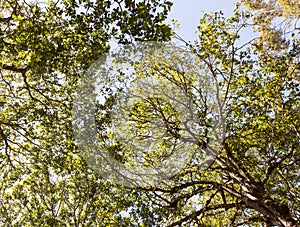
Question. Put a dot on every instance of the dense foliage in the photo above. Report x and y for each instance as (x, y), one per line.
(44, 49)
(44, 180)
(254, 179)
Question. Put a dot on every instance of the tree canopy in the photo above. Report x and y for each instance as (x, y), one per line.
(275, 20)
(45, 47)
(253, 179)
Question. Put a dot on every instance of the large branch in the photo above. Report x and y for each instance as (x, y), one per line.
(272, 167)
(14, 68)
(278, 214)
(5, 19)
(205, 209)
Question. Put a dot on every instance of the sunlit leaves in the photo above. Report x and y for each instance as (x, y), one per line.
(275, 20)
(45, 46)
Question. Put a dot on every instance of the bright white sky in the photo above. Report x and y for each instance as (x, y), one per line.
(188, 13)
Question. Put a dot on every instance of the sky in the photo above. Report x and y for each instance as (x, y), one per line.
(189, 12)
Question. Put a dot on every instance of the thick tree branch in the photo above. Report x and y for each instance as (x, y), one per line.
(14, 68)
(5, 19)
(204, 210)
(275, 165)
